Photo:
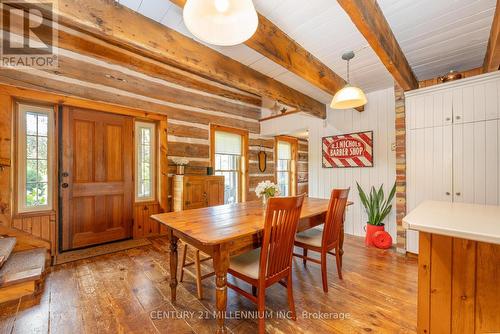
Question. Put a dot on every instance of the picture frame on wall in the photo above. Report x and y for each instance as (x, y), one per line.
(351, 150)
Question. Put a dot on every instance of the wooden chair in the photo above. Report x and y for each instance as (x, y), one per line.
(197, 265)
(328, 239)
(262, 267)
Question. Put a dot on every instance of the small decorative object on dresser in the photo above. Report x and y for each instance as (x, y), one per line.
(376, 208)
(266, 189)
(181, 163)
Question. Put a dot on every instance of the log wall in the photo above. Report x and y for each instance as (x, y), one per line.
(93, 70)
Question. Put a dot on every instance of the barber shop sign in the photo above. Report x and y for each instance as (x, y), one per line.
(348, 150)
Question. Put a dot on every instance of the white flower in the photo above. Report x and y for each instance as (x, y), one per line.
(267, 188)
(180, 161)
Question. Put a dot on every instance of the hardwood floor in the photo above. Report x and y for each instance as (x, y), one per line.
(128, 292)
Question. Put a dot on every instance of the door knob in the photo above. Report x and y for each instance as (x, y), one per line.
(64, 185)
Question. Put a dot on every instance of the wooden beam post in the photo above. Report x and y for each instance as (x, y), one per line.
(371, 22)
(492, 58)
(116, 24)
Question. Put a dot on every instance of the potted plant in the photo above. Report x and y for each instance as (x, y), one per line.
(377, 209)
(266, 189)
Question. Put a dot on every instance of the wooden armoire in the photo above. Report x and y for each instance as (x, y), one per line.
(197, 191)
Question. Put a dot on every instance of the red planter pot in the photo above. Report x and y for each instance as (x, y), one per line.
(370, 229)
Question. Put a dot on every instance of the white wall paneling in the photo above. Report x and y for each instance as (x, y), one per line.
(378, 116)
(454, 157)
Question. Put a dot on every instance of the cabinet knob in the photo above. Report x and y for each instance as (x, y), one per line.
(458, 193)
(458, 117)
(448, 119)
(448, 193)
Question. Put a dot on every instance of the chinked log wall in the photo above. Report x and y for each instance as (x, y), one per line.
(95, 70)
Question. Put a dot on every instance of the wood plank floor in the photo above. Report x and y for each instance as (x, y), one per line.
(127, 292)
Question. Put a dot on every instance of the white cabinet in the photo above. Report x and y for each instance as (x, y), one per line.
(453, 144)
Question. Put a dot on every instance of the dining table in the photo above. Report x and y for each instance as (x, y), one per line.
(228, 230)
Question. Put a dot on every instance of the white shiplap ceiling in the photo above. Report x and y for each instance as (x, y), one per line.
(440, 35)
(436, 35)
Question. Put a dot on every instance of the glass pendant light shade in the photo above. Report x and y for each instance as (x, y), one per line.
(221, 22)
(349, 97)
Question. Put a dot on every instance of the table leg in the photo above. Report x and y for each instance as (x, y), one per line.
(221, 264)
(173, 265)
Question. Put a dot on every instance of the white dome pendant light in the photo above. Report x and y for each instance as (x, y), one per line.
(221, 22)
(349, 96)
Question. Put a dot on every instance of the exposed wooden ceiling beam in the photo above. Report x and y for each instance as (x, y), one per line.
(271, 42)
(123, 27)
(274, 44)
(371, 22)
(492, 57)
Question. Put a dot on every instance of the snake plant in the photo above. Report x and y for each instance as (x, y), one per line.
(375, 206)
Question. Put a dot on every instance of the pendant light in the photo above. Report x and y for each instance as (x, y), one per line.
(349, 96)
(221, 22)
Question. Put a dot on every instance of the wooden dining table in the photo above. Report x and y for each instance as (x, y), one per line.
(224, 231)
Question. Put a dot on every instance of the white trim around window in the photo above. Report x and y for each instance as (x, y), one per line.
(35, 154)
(145, 161)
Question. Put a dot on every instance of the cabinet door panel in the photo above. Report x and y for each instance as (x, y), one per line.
(492, 168)
(215, 191)
(429, 170)
(492, 105)
(479, 103)
(458, 105)
(475, 162)
(468, 106)
(194, 191)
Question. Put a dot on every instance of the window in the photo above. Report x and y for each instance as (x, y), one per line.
(145, 140)
(286, 149)
(283, 168)
(228, 159)
(35, 151)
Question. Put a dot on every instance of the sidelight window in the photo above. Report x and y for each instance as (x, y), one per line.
(35, 151)
(284, 167)
(145, 161)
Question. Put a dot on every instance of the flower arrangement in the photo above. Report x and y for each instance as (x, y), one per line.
(266, 189)
(180, 161)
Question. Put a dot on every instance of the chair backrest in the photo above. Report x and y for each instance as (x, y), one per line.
(334, 217)
(282, 218)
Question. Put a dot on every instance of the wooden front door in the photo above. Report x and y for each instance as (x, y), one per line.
(96, 177)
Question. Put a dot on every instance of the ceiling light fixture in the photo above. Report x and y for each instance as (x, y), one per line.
(221, 22)
(349, 96)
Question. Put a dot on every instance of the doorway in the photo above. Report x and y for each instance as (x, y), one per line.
(96, 177)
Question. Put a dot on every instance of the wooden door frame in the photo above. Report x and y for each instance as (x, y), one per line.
(58, 101)
(244, 179)
(294, 143)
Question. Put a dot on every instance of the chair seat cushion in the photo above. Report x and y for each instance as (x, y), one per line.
(247, 263)
(310, 237)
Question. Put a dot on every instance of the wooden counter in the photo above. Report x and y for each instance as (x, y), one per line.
(459, 267)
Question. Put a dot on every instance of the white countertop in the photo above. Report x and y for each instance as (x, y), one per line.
(461, 220)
